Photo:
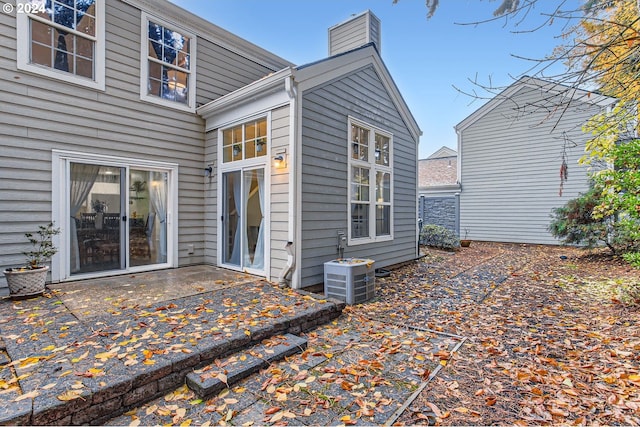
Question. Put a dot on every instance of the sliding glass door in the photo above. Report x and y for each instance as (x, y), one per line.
(147, 217)
(96, 200)
(117, 217)
(243, 219)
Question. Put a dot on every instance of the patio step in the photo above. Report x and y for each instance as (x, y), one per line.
(225, 372)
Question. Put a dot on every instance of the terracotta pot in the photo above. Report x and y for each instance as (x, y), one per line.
(465, 243)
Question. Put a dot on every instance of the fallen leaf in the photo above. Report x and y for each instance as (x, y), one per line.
(272, 410)
(69, 395)
(31, 395)
(434, 409)
(222, 377)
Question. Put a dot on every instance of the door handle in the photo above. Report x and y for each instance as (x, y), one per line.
(124, 218)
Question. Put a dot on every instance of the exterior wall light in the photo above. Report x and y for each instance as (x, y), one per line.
(208, 171)
(280, 160)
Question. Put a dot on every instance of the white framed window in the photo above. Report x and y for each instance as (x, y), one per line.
(370, 184)
(167, 64)
(245, 141)
(63, 39)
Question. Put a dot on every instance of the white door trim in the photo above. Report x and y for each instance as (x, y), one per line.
(60, 202)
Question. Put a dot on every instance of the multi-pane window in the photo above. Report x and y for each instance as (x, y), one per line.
(245, 141)
(360, 202)
(168, 63)
(63, 39)
(383, 203)
(370, 183)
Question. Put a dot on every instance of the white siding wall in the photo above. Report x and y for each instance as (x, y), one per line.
(325, 207)
(510, 170)
(39, 114)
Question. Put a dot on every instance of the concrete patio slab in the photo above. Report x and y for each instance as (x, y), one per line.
(87, 351)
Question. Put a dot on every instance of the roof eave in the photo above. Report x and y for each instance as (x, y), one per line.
(579, 95)
(316, 73)
(271, 83)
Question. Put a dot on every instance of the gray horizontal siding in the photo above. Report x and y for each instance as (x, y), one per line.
(279, 214)
(279, 197)
(348, 36)
(510, 170)
(40, 114)
(325, 179)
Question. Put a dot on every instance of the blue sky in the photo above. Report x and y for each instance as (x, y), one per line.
(426, 58)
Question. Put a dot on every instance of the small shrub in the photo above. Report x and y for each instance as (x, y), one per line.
(632, 258)
(439, 237)
(42, 245)
(573, 223)
(626, 234)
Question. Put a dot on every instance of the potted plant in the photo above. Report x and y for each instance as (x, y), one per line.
(29, 279)
(465, 243)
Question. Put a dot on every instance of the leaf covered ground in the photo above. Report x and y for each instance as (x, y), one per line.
(550, 342)
(492, 334)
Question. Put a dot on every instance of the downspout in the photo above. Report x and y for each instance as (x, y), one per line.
(289, 268)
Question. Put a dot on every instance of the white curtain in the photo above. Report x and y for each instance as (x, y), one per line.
(248, 177)
(258, 257)
(158, 197)
(82, 179)
(237, 197)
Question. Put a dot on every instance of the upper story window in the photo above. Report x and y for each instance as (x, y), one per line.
(63, 39)
(370, 186)
(245, 141)
(167, 65)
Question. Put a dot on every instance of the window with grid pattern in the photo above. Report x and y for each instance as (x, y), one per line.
(370, 186)
(63, 39)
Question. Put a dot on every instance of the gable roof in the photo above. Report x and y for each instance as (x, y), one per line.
(565, 93)
(443, 152)
(322, 71)
(311, 75)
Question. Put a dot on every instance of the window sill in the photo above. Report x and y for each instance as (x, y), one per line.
(169, 104)
(62, 76)
(369, 240)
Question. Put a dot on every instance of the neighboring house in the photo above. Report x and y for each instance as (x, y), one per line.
(512, 150)
(155, 139)
(438, 189)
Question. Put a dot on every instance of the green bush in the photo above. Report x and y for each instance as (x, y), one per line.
(439, 237)
(573, 223)
(632, 258)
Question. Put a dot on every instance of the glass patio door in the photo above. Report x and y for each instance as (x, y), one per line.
(117, 218)
(96, 210)
(243, 222)
(147, 217)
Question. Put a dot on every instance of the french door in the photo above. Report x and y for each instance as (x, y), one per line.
(243, 220)
(115, 217)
